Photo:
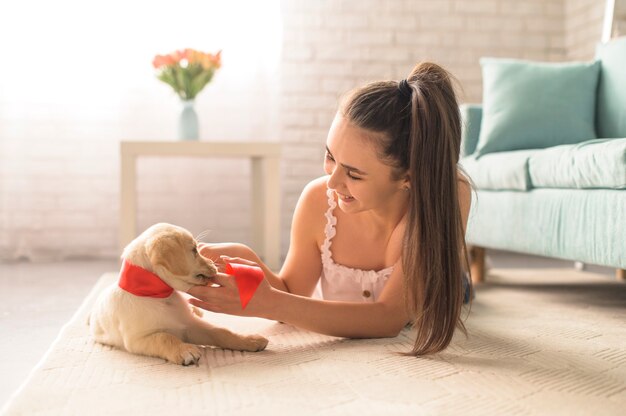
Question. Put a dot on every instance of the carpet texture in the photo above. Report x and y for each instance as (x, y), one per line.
(549, 342)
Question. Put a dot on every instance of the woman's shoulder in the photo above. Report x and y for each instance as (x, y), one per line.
(462, 177)
(313, 201)
(315, 192)
(465, 197)
(464, 185)
(312, 206)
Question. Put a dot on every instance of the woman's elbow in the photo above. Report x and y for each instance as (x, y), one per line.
(389, 330)
(383, 331)
(393, 332)
(394, 322)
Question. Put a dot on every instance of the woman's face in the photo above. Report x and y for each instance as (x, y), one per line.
(358, 177)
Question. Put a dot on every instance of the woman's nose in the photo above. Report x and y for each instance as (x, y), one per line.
(333, 180)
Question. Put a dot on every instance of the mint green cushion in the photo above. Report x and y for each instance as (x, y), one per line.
(505, 170)
(534, 105)
(599, 163)
(584, 225)
(611, 111)
(471, 116)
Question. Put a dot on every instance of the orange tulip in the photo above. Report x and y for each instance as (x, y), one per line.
(162, 60)
(194, 56)
(179, 55)
(216, 59)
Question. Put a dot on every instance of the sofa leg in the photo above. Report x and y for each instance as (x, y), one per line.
(477, 264)
(620, 274)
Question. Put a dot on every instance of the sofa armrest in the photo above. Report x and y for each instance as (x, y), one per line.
(471, 116)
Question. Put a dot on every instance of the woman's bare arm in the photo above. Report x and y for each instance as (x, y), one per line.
(302, 267)
(299, 275)
(303, 264)
(383, 318)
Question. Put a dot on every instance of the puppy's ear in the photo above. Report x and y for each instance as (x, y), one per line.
(167, 252)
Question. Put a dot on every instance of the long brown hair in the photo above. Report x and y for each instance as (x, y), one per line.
(420, 123)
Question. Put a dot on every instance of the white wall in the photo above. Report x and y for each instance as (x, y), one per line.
(620, 18)
(59, 182)
(76, 84)
(332, 46)
(583, 27)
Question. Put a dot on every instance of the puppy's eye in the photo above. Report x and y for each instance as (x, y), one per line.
(195, 251)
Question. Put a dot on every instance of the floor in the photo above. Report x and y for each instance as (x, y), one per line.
(37, 299)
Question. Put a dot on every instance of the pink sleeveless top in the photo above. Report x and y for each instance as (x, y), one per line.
(339, 282)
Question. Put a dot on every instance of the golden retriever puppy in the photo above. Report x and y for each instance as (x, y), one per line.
(145, 314)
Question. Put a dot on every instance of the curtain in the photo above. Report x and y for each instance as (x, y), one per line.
(76, 79)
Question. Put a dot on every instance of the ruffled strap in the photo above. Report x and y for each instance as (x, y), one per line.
(327, 257)
(331, 221)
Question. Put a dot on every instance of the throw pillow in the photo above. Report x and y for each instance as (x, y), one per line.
(534, 105)
(611, 112)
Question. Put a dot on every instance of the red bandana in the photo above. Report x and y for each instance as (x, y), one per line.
(141, 282)
(247, 278)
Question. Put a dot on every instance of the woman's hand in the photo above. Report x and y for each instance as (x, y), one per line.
(223, 295)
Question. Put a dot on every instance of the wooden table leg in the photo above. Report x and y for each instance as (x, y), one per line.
(128, 198)
(272, 213)
(266, 209)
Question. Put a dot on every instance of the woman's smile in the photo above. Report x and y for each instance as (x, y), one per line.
(344, 198)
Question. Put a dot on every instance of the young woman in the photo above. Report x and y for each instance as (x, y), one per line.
(378, 242)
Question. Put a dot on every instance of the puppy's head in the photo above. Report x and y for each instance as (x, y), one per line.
(171, 252)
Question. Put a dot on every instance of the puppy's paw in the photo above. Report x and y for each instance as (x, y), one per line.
(255, 343)
(188, 354)
(197, 311)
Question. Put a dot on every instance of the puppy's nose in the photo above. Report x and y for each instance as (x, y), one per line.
(212, 268)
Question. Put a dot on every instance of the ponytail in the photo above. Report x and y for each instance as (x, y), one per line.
(421, 123)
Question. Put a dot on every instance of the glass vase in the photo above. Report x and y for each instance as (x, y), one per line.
(188, 121)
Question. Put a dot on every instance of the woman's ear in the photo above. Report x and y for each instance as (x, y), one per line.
(406, 183)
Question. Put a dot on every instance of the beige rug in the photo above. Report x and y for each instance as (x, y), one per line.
(549, 342)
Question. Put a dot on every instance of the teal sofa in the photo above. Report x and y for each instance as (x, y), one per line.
(565, 198)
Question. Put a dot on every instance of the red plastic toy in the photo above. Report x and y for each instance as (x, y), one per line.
(247, 278)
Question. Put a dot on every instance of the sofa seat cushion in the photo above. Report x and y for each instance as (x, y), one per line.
(585, 225)
(599, 163)
(500, 171)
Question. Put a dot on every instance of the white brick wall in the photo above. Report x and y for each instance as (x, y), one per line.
(619, 18)
(351, 42)
(583, 27)
(59, 181)
(55, 204)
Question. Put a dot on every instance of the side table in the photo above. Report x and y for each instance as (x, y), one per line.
(265, 177)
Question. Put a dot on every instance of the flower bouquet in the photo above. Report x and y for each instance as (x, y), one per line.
(187, 71)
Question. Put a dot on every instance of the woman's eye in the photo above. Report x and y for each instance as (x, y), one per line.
(195, 251)
(329, 158)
